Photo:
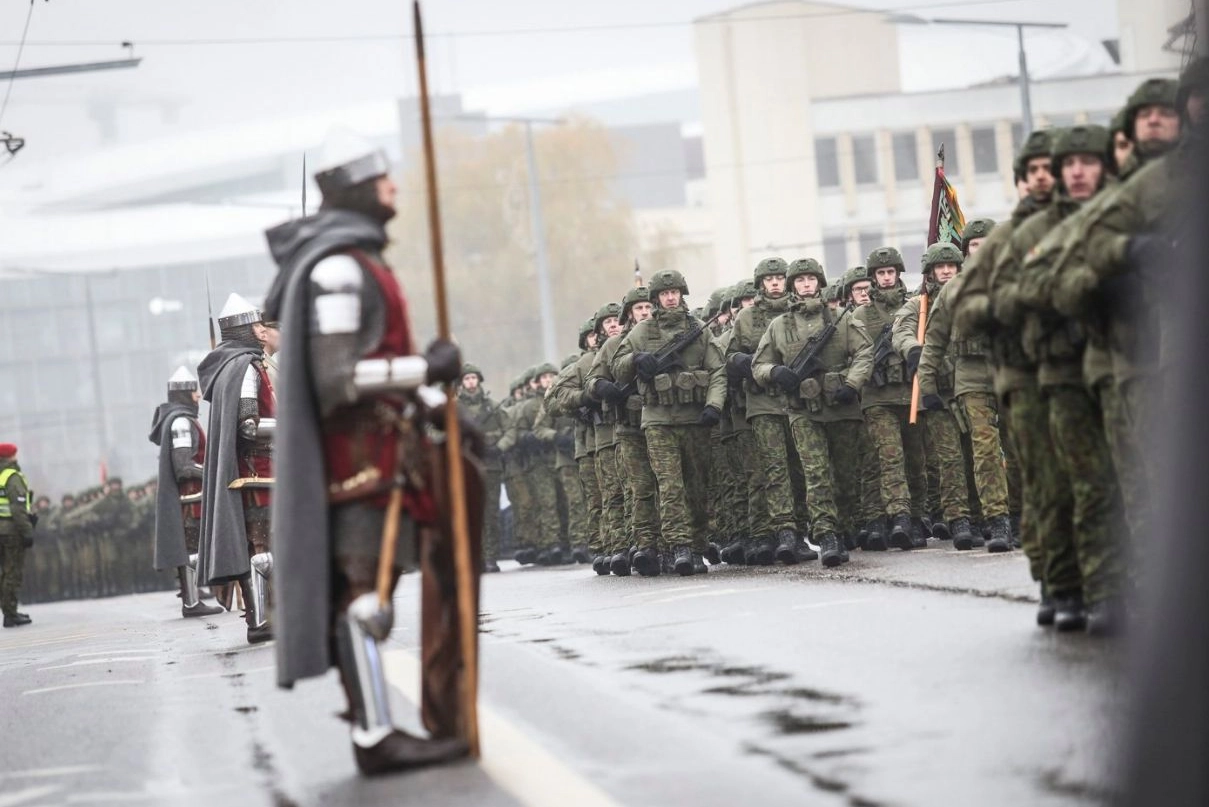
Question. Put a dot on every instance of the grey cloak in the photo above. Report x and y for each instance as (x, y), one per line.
(170, 549)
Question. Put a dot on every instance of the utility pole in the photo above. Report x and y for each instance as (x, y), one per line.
(537, 223)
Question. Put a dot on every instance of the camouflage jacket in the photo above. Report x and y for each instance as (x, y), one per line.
(891, 387)
(750, 326)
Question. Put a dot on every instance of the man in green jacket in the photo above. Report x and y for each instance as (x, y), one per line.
(16, 533)
(483, 411)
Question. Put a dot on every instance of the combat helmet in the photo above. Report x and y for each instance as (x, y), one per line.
(586, 328)
(1087, 138)
(541, 369)
(638, 294)
(831, 293)
(717, 299)
(882, 257)
(1038, 144)
(941, 252)
(853, 276)
(471, 369)
(769, 266)
(604, 312)
(978, 228)
(806, 266)
(1151, 92)
(665, 280)
(568, 361)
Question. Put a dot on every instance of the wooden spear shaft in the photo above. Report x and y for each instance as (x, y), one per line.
(919, 337)
(468, 617)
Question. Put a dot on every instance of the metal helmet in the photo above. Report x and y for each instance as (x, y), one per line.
(472, 369)
(585, 328)
(638, 294)
(853, 276)
(978, 228)
(1037, 145)
(807, 266)
(883, 257)
(237, 311)
(769, 266)
(665, 280)
(604, 312)
(1082, 139)
(1151, 92)
(941, 252)
(347, 159)
(182, 380)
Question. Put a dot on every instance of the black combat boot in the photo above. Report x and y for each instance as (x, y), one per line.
(848, 542)
(787, 546)
(686, 562)
(1015, 522)
(833, 554)
(525, 555)
(1045, 611)
(713, 553)
(16, 620)
(760, 552)
(580, 555)
(919, 533)
(1106, 618)
(900, 531)
(646, 562)
(490, 567)
(1001, 534)
(735, 552)
(940, 530)
(399, 751)
(619, 564)
(1069, 613)
(600, 564)
(963, 535)
(876, 539)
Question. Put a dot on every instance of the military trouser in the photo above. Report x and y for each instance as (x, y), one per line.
(944, 445)
(640, 480)
(1045, 491)
(612, 501)
(543, 485)
(591, 489)
(773, 440)
(870, 477)
(577, 511)
(88, 563)
(1011, 467)
(751, 486)
(1121, 421)
(1076, 429)
(900, 459)
(810, 440)
(933, 503)
(844, 457)
(680, 459)
(520, 494)
(12, 570)
(720, 521)
(987, 451)
(491, 515)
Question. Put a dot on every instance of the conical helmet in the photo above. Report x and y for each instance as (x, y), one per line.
(237, 311)
(347, 159)
(182, 379)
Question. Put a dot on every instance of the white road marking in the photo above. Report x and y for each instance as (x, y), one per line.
(125, 651)
(44, 773)
(108, 660)
(28, 795)
(47, 640)
(516, 763)
(660, 591)
(112, 798)
(716, 592)
(119, 682)
(830, 603)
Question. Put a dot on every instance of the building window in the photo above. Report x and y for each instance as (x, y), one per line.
(947, 137)
(986, 157)
(835, 255)
(906, 165)
(869, 240)
(864, 158)
(827, 162)
(912, 253)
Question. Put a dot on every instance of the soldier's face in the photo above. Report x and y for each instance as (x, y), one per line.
(773, 285)
(196, 395)
(1039, 177)
(1122, 147)
(470, 382)
(723, 318)
(1194, 107)
(1156, 123)
(974, 245)
(669, 298)
(640, 312)
(592, 340)
(860, 292)
(1021, 188)
(387, 191)
(1081, 175)
(518, 393)
(805, 285)
(611, 326)
(272, 338)
(886, 277)
(747, 302)
(944, 272)
(545, 380)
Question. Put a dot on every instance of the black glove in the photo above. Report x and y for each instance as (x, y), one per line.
(646, 365)
(710, 416)
(738, 367)
(564, 442)
(913, 356)
(33, 519)
(1149, 254)
(444, 362)
(785, 378)
(584, 415)
(606, 390)
(529, 441)
(933, 403)
(845, 395)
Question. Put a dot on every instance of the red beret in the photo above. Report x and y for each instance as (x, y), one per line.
(7, 450)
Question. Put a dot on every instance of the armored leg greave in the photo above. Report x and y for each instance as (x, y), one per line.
(258, 606)
(361, 669)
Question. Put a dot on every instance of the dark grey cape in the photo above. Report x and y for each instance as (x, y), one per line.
(301, 539)
(170, 549)
(222, 553)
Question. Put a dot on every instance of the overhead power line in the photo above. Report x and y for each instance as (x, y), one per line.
(17, 63)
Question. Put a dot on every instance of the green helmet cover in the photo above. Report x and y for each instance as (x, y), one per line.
(1039, 144)
(468, 368)
(941, 252)
(978, 228)
(667, 279)
(638, 294)
(604, 312)
(1082, 139)
(770, 266)
(807, 266)
(883, 257)
(1151, 92)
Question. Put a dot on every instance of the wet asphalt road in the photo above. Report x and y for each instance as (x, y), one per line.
(900, 679)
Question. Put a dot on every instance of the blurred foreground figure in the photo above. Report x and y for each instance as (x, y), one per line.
(356, 471)
(16, 533)
(182, 444)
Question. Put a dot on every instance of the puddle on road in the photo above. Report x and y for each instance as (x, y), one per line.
(787, 722)
(246, 710)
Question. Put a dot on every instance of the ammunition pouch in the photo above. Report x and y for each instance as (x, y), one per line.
(632, 414)
(660, 392)
(670, 389)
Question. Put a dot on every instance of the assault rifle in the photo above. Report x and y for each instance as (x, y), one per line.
(668, 356)
(882, 350)
(806, 363)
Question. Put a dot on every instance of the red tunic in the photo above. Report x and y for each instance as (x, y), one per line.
(258, 460)
(194, 485)
(355, 439)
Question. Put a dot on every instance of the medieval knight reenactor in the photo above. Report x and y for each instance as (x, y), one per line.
(238, 476)
(182, 443)
(356, 473)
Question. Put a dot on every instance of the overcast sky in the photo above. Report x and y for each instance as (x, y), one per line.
(506, 56)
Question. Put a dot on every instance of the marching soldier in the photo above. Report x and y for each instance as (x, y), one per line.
(355, 468)
(515, 481)
(573, 521)
(238, 467)
(178, 434)
(16, 533)
(535, 450)
(483, 412)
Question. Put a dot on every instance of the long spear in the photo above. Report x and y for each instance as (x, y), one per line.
(467, 611)
(938, 194)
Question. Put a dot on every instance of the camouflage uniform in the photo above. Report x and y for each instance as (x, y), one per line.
(491, 421)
